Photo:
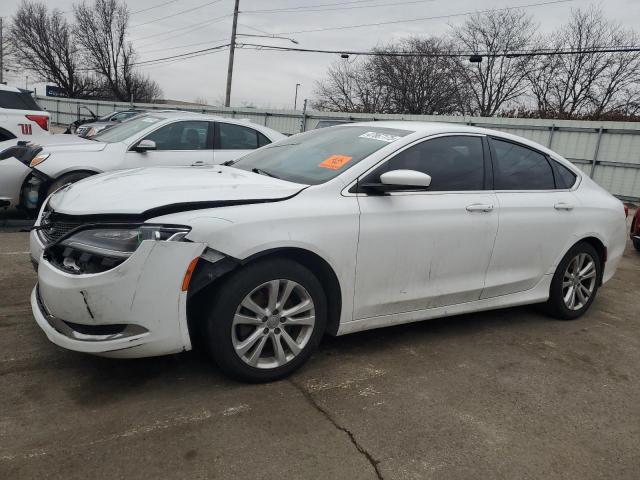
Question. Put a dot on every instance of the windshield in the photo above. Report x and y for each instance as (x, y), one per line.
(318, 156)
(124, 130)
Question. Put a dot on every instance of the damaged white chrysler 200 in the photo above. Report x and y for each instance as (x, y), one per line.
(333, 231)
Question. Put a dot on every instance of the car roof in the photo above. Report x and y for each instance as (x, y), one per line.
(434, 128)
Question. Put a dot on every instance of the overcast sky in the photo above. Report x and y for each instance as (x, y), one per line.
(267, 78)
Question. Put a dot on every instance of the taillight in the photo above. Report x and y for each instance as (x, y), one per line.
(41, 120)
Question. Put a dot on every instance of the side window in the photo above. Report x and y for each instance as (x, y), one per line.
(191, 135)
(454, 162)
(122, 116)
(565, 178)
(237, 137)
(262, 140)
(520, 168)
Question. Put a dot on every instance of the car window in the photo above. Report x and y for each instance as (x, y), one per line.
(190, 135)
(124, 131)
(520, 168)
(565, 178)
(119, 117)
(18, 101)
(262, 140)
(454, 163)
(319, 155)
(236, 137)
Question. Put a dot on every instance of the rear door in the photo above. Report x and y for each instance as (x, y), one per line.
(232, 141)
(181, 143)
(537, 217)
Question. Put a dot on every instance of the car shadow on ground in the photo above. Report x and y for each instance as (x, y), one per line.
(103, 380)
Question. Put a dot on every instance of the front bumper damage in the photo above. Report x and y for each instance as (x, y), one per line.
(137, 309)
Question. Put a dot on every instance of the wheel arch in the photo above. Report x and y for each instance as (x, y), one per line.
(314, 262)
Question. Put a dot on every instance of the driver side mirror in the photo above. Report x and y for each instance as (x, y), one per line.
(144, 146)
(399, 181)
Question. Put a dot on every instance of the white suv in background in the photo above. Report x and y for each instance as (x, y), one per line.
(20, 115)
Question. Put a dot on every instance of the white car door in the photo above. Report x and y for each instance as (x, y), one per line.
(537, 217)
(419, 250)
(182, 143)
(233, 141)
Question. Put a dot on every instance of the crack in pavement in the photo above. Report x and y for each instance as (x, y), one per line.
(307, 395)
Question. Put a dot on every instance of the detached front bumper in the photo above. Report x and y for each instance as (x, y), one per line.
(136, 309)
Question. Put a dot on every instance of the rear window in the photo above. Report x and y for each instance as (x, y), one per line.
(18, 101)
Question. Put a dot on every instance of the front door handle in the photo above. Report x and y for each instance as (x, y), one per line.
(479, 207)
(199, 163)
(563, 206)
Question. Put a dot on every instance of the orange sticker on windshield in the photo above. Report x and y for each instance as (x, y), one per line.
(334, 162)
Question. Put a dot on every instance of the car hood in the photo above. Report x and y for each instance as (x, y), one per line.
(150, 192)
(69, 143)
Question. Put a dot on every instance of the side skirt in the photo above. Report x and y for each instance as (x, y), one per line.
(537, 294)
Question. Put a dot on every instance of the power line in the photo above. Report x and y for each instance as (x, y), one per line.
(155, 6)
(308, 9)
(512, 54)
(190, 28)
(182, 46)
(181, 55)
(304, 7)
(176, 13)
(438, 17)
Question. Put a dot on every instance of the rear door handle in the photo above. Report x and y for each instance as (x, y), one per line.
(199, 163)
(563, 206)
(479, 207)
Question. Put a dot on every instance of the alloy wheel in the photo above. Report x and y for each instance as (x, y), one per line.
(273, 323)
(579, 281)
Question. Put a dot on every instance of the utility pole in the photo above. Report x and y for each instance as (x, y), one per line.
(1, 53)
(232, 49)
(295, 100)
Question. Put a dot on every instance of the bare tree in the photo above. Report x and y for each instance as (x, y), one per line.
(101, 29)
(43, 43)
(587, 84)
(497, 80)
(351, 87)
(419, 84)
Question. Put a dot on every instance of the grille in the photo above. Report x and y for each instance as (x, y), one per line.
(50, 231)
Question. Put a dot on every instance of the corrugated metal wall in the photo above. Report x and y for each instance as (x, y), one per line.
(607, 151)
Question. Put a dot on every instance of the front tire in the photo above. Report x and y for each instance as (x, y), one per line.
(266, 320)
(72, 177)
(575, 282)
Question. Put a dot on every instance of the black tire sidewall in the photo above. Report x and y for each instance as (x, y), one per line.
(226, 299)
(556, 300)
(71, 177)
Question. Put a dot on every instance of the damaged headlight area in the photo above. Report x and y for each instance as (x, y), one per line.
(96, 249)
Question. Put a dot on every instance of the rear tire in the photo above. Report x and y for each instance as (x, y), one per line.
(72, 177)
(254, 343)
(575, 283)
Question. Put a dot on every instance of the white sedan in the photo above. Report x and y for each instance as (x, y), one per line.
(28, 173)
(333, 231)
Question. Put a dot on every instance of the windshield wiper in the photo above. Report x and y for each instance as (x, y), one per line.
(263, 172)
(228, 163)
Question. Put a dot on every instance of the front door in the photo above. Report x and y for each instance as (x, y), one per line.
(182, 143)
(419, 250)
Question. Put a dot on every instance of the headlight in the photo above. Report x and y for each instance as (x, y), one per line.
(121, 242)
(99, 249)
(38, 159)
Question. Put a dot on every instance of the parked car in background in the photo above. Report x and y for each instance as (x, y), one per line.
(20, 116)
(90, 129)
(635, 230)
(30, 172)
(336, 230)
